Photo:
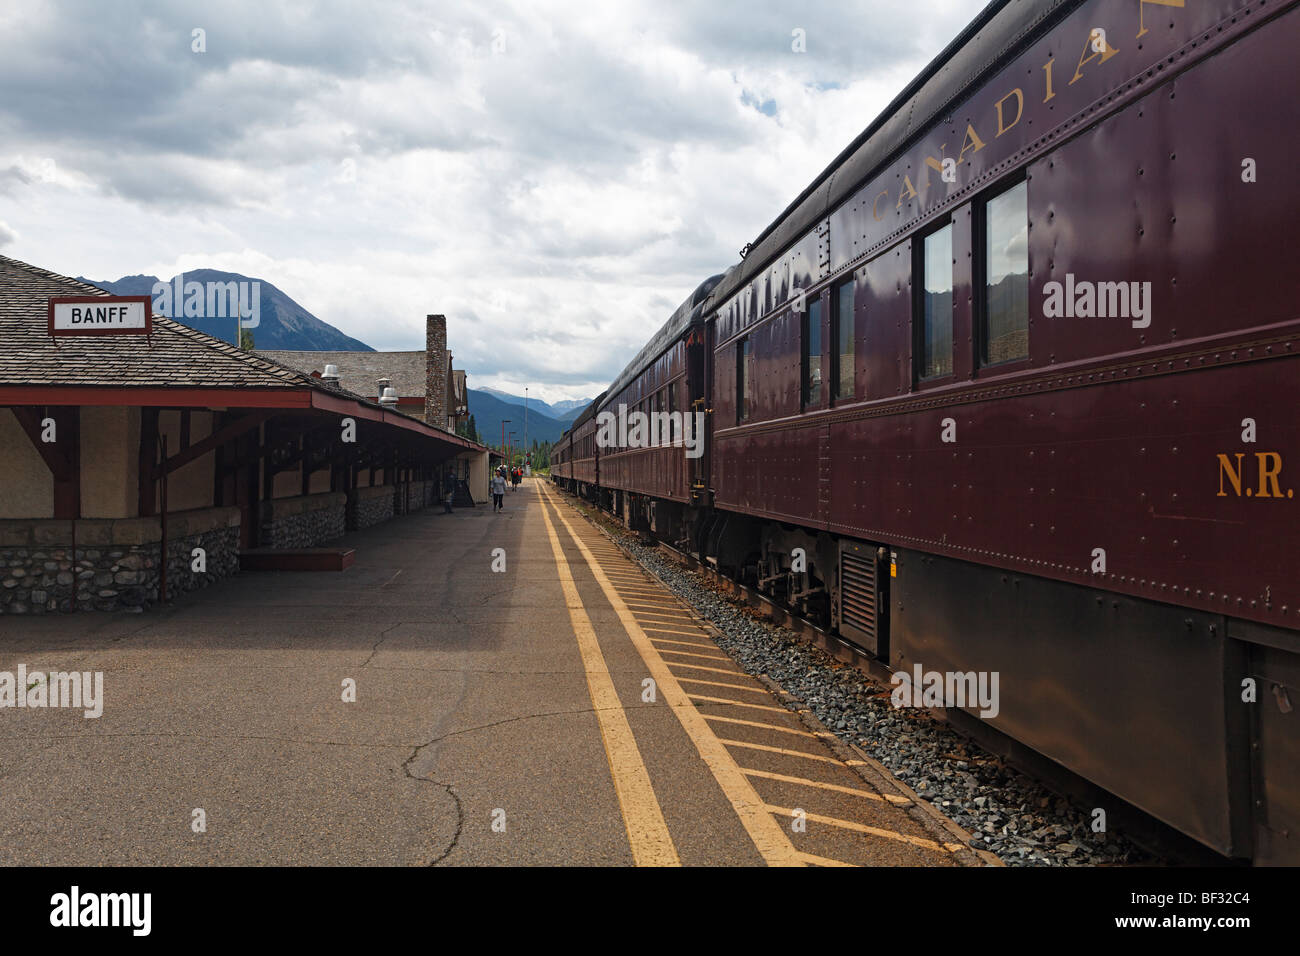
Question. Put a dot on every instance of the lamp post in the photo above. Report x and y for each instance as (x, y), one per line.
(504, 423)
(525, 422)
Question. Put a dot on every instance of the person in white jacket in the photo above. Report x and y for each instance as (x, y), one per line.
(498, 493)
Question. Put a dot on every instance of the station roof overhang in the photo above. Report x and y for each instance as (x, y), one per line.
(282, 399)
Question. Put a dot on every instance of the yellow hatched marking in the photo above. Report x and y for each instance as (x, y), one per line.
(668, 630)
(822, 785)
(736, 703)
(652, 844)
(701, 667)
(707, 657)
(718, 683)
(815, 860)
(754, 723)
(659, 607)
(768, 836)
(782, 750)
(664, 640)
(871, 831)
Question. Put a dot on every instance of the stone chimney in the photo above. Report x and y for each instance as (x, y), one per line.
(435, 371)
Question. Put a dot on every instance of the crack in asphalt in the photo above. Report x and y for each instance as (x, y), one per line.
(451, 791)
(383, 635)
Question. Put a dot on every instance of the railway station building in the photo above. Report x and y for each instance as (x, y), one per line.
(139, 466)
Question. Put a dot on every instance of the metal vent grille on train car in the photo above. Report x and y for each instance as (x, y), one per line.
(860, 597)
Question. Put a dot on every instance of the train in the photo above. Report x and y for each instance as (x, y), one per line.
(1012, 387)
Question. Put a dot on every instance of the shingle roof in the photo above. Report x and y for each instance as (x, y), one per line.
(360, 372)
(173, 356)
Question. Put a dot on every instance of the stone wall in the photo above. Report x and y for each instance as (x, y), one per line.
(421, 494)
(115, 562)
(305, 521)
(370, 506)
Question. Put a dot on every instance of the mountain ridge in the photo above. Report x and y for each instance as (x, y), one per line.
(284, 324)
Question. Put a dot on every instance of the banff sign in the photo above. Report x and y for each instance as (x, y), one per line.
(100, 315)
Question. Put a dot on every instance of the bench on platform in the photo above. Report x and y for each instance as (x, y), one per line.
(296, 559)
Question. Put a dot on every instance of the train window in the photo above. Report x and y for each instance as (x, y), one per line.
(673, 430)
(1005, 327)
(812, 354)
(744, 364)
(935, 334)
(842, 340)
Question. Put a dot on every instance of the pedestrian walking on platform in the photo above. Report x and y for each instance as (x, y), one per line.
(498, 493)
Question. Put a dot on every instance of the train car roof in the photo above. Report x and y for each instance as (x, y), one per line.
(997, 33)
(689, 313)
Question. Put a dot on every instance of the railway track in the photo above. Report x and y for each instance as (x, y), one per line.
(1158, 844)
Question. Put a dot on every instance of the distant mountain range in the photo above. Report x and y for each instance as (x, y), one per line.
(564, 411)
(284, 323)
(490, 407)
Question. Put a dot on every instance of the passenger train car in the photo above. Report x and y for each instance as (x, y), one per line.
(1018, 373)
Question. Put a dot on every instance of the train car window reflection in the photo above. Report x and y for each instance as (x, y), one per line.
(842, 344)
(1005, 332)
(812, 354)
(744, 362)
(936, 305)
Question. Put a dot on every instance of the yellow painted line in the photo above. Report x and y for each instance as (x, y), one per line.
(871, 831)
(754, 723)
(822, 785)
(736, 703)
(782, 750)
(668, 630)
(718, 683)
(652, 844)
(815, 860)
(655, 617)
(701, 667)
(659, 607)
(664, 640)
(769, 837)
(706, 657)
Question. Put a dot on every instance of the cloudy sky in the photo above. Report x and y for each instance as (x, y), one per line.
(554, 176)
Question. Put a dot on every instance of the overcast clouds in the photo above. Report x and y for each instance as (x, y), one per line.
(381, 160)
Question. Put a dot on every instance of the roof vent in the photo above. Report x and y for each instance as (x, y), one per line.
(383, 387)
(331, 375)
(389, 396)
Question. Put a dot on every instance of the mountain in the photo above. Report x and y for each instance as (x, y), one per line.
(563, 411)
(489, 410)
(569, 409)
(284, 323)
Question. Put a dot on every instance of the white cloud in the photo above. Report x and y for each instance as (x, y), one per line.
(556, 199)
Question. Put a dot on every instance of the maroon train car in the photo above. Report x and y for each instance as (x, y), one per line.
(654, 478)
(576, 464)
(1018, 375)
